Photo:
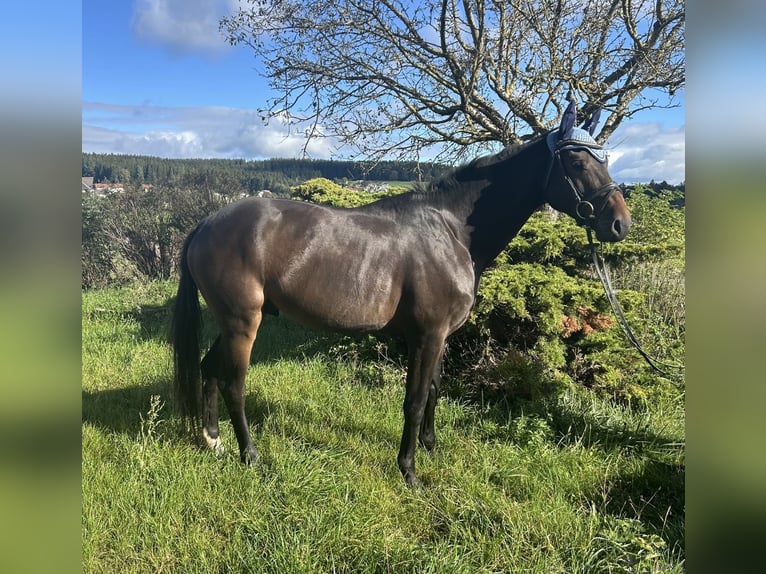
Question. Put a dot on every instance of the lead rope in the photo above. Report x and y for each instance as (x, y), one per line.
(606, 282)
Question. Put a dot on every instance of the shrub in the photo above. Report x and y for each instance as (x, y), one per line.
(138, 234)
(96, 253)
(541, 321)
(324, 191)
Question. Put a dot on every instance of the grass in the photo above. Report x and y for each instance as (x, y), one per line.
(572, 484)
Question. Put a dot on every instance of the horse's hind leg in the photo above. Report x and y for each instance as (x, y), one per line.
(236, 346)
(211, 370)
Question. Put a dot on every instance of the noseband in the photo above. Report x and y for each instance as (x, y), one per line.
(586, 214)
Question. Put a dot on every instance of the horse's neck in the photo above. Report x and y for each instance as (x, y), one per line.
(495, 201)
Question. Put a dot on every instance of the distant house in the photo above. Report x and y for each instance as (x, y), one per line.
(100, 188)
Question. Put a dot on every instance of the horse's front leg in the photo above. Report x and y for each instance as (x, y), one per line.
(427, 433)
(424, 356)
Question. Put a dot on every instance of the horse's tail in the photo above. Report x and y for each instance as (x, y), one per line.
(185, 336)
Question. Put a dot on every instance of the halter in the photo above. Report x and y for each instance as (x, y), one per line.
(579, 139)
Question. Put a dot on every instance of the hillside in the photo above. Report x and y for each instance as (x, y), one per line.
(276, 175)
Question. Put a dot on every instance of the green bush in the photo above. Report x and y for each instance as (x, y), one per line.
(324, 191)
(138, 234)
(541, 320)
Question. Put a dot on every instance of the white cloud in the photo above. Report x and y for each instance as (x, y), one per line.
(212, 132)
(641, 152)
(182, 25)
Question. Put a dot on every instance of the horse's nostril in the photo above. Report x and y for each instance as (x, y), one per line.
(620, 227)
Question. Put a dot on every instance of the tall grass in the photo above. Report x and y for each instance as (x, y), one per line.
(662, 313)
(566, 484)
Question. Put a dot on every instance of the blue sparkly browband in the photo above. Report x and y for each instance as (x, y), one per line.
(576, 138)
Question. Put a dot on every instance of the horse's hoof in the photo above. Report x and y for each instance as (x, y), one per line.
(411, 480)
(428, 444)
(213, 444)
(250, 458)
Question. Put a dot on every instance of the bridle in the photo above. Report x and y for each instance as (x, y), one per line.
(585, 212)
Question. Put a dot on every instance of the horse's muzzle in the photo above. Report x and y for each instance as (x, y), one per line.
(614, 229)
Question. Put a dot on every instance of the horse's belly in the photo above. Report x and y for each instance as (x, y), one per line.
(338, 301)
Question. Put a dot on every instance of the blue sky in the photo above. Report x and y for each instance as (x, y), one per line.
(159, 79)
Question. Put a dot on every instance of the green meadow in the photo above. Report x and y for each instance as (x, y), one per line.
(561, 484)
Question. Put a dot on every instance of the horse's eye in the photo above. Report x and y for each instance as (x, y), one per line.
(578, 165)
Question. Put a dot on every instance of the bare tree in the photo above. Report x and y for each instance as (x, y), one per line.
(397, 77)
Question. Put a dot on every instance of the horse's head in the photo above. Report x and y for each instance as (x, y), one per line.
(578, 181)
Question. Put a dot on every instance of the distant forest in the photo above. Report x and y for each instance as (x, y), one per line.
(250, 176)
(232, 176)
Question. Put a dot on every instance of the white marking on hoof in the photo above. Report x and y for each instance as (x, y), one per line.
(213, 444)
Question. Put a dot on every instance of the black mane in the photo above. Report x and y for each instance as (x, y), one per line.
(470, 171)
(451, 187)
(504, 154)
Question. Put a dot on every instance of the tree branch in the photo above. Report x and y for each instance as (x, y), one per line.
(402, 76)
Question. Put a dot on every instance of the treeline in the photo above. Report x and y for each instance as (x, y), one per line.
(675, 195)
(248, 176)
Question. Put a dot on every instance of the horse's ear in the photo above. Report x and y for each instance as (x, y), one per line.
(591, 123)
(568, 119)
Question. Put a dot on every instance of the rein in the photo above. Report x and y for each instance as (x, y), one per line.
(606, 282)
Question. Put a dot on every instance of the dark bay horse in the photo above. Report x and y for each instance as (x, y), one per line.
(408, 265)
